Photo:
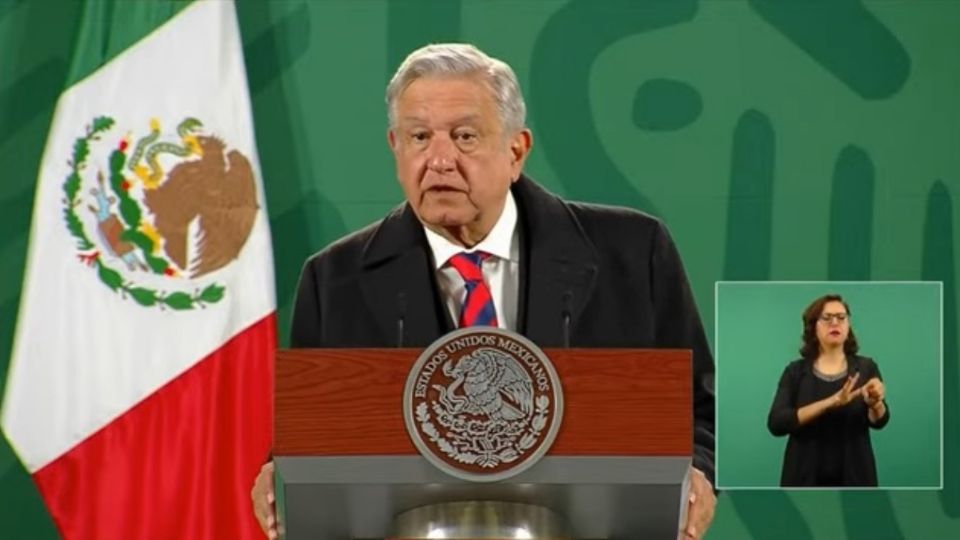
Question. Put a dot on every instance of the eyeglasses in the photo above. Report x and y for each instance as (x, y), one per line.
(840, 317)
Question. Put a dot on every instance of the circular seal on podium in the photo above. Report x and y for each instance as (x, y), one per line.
(483, 404)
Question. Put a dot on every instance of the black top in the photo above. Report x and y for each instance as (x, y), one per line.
(833, 449)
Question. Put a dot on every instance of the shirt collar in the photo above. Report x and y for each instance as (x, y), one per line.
(501, 242)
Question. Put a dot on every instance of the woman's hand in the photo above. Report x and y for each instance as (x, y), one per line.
(873, 392)
(847, 394)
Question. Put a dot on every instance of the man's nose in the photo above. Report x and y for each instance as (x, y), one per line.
(443, 155)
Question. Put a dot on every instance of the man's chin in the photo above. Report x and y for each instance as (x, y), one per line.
(446, 218)
(446, 222)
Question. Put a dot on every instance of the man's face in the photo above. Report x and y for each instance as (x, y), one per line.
(454, 161)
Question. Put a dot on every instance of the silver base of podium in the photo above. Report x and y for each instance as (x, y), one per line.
(622, 498)
(480, 519)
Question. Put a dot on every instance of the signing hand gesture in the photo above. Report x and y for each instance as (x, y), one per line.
(847, 394)
(873, 392)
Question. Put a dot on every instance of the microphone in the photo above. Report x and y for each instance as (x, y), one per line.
(565, 316)
(401, 315)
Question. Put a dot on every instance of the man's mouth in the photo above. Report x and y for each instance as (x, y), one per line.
(442, 190)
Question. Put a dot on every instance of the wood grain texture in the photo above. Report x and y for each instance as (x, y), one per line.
(617, 402)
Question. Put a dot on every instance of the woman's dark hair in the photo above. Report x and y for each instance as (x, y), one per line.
(811, 345)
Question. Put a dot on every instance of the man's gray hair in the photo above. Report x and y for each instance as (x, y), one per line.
(460, 59)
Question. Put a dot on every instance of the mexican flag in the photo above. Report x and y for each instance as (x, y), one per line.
(140, 384)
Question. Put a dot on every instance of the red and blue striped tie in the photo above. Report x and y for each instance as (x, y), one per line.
(478, 309)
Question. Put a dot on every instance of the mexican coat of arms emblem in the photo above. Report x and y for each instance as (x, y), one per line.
(483, 404)
(155, 214)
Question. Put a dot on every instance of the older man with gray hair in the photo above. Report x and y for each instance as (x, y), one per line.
(558, 272)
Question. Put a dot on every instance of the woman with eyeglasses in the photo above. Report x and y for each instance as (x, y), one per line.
(827, 402)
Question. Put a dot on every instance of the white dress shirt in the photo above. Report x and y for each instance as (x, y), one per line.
(501, 271)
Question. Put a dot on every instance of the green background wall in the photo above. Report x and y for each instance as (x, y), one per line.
(758, 333)
(789, 140)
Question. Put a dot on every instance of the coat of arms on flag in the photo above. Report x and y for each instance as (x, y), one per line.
(166, 209)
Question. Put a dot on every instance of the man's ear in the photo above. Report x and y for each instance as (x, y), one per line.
(392, 140)
(520, 145)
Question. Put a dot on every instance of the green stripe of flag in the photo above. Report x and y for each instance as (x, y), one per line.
(108, 27)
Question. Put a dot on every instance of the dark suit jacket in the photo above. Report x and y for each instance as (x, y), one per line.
(614, 270)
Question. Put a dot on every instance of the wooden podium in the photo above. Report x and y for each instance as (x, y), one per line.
(346, 466)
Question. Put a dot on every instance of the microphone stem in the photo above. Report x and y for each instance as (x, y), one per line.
(401, 315)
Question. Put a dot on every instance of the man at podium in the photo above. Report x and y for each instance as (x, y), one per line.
(479, 243)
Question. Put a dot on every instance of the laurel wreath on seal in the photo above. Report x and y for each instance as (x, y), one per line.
(131, 214)
(464, 447)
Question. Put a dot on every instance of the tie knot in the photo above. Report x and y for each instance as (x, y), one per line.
(478, 308)
(469, 265)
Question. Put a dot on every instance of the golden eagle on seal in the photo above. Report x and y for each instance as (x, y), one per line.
(217, 190)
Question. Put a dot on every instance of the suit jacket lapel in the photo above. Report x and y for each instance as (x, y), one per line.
(398, 281)
(558, 265)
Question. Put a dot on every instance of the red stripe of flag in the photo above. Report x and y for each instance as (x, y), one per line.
(180, 463)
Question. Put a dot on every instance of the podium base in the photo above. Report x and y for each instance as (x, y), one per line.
(480, 520)
(617, 498)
